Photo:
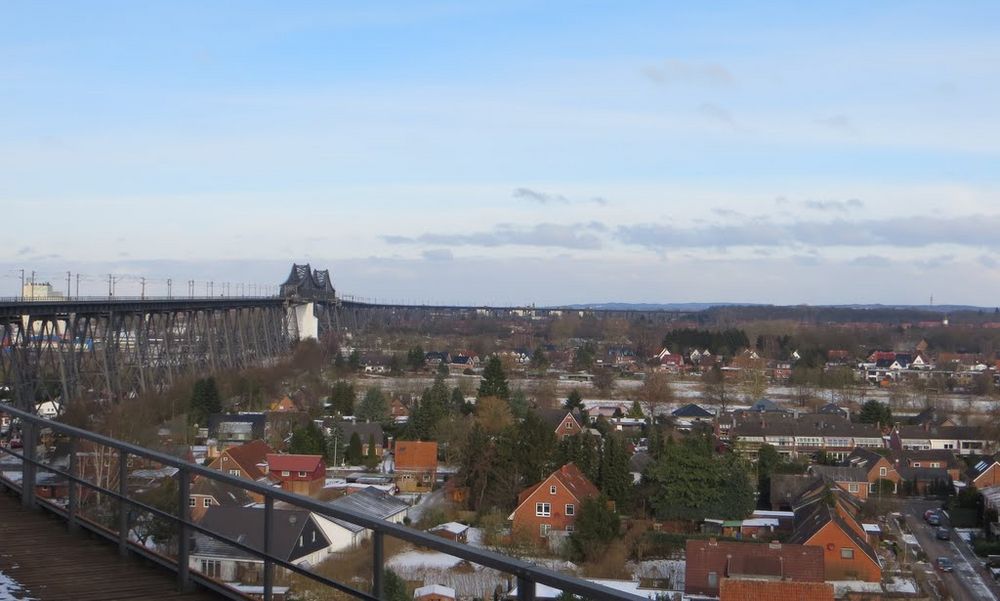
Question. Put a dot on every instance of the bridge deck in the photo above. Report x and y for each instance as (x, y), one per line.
(51, 564)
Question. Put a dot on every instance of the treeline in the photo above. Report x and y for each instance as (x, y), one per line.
(723, 342)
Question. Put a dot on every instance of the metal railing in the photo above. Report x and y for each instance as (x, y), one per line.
(527, 574)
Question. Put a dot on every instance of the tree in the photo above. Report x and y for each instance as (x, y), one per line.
(614, 479)
(432, 408)
(874, 412)
(342, 398)
(374, 407)
(582, 450)
(354, 450)
(415, 358)
(768, 460)
(493, 414)
(574, 401)
(689, 481)
(205, 400)
(354, 360)
(716, 388)
(457, 403)
(494, 382)
(442, 370)
(518, 403)
(635, 411)
(308, 440)
(393, 587)
(584, 357)
(539, 360)
(604, 380)
(595, 528)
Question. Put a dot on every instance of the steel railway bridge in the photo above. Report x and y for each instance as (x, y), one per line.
(111, 347)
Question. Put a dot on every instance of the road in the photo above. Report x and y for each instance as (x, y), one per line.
(969, 581)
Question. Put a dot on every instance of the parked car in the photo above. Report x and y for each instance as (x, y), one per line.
(943, 534)
(944, 564)
(934, 519)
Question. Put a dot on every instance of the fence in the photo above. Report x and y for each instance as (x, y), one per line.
(32, 427)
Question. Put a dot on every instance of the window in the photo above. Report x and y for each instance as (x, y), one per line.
(543, 510)
(302, 541)
(544, 529)
(916, 464)
(234, 472)
(286, 473)
(852, 487)
(935, 464)
(883, 471)
(713, 580)
(847, 553)
(570, 509)
(552, 490)
(570, 528)
(211, 568)
(207, 502)
(302, 474)
(192, 502)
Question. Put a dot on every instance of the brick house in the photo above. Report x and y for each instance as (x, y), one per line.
(562, 422)
(248, 461)
(853, 480)
(847, 555)
(877, 467)
(434, 592)
(415, 465)
(710, 562)
(300, 474)
(207, 493)
(986, 472)
(551, 505)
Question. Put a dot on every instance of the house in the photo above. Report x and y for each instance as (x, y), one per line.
(344, 535)
(452, 531)
(550, 505)
(927, 465)
(368, 433)
(794, 435)
(284, 404)
(295, 537)
(669, 360)
(415, 465)
(400, 414)
(48, 409)
(563, 422)
(985, 472)
(853, 480)
(236, 428)
(246, 461)
(962, 440)
(207, 493)
(847, 555)
(774, 590)
(876, 466)
(924, 480)
(692, 411)
(710, 562)
(833, 409)
(766, 406)
(434, 592)
(300, 474)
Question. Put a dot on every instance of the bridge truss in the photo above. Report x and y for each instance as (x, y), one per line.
(117, 348)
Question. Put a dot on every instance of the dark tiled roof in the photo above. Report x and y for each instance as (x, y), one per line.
(246, 526)
(814, 517)
(839, 473)
(692, 410)
(866, 459)
(787, 488)
(227, 496)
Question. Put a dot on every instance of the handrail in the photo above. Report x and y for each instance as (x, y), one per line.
(527, 574)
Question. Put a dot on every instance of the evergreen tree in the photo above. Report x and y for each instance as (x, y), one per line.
(690, 482)
(539, 360)
(519, 403)
(374, 407)
(205, 400)
(574, 401)
(635, 411)
(595, 528)
(442, 370)
(371, 447)
(432, 408)
(394, 587)
(582, 450)
(339, 363)
(354, 451)
(494, 382)
(415, 358)
(874, 412)
(457, 400)
(354, 360)
(615, 480)
(308, 440)
(342, 398)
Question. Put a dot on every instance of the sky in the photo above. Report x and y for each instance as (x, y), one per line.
(507, 152)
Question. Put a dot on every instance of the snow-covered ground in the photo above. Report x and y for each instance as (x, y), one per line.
(11, 590)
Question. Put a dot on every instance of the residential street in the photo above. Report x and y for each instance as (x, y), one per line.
(969, 582)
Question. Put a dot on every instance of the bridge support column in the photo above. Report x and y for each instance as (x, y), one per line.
(306, 322)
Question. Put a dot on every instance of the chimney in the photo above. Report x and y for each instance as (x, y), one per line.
(774, 545)
(713, 542)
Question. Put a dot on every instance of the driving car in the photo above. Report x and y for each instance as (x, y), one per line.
(943, 534)
(944, 564)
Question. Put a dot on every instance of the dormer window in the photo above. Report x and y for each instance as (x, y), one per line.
(552, 490)
(286, 473)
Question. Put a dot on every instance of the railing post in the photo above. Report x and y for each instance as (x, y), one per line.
(183, 531)
(123, 506)
(74, 496)
(378, 567)
(525, 589)
(28, 468)
(268, 564)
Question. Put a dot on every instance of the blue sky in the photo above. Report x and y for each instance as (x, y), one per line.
(510, 152)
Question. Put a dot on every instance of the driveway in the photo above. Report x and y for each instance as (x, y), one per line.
(969, 581)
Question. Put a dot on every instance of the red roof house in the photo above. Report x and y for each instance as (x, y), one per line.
(415, 465)
(710, 562)
(551, 505)
(301, 474)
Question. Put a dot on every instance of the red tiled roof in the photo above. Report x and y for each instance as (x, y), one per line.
(294, 463)
(774, 590)
(249, 455)
(416, 455)
(799, 563)
(571, 477)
